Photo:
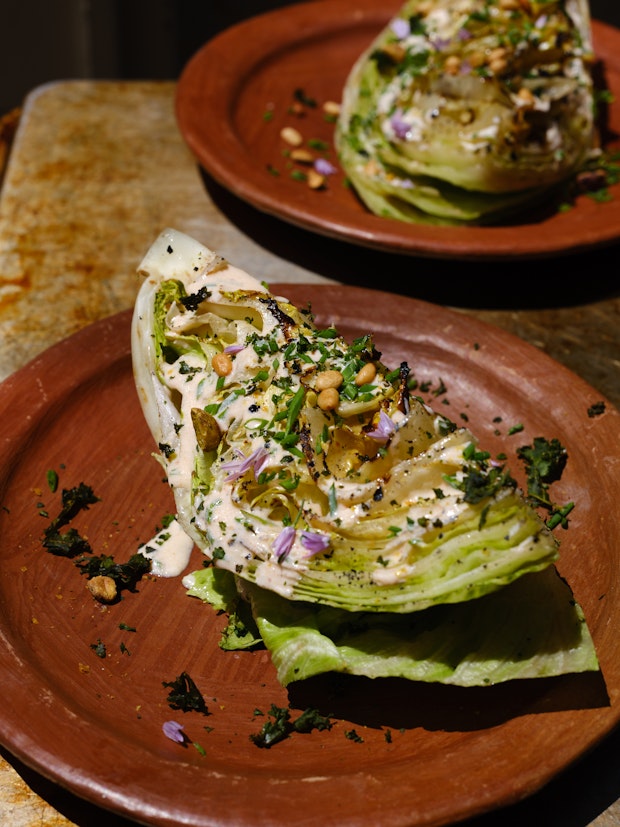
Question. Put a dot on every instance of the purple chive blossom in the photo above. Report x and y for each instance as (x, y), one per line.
(440, 43)
(283, 543)
(233, 348)
(237, 467)
(385, 428)
(314, 542)
(541, 22)
(401, 28)
(465, 68)
(399, 125)
(174, 731)
(323, 167)
(463, 35)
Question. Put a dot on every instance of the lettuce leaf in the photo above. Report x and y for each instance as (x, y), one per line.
(532, 628)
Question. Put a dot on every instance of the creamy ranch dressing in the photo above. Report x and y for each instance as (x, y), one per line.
(169, 551)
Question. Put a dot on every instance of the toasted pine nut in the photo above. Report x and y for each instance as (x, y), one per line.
(452, 64)
(222, 364)
(328, 379)
(498, 65)
(302, 156)
(328, 399)
(331, 108)
(509, 5)
(500, 53)
(291, 136)
(103, 588)
(366, 374)
(525, 96)
(315, 180)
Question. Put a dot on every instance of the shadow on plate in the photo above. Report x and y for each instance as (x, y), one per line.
(397, 703)
(562, 801)
(516, 284)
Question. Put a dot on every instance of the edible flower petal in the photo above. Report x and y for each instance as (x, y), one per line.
(234, 348)
(399, 125)
(174, 731)
(385, 428)
(284, 543)
(324, 167)
(314, 542)
(401, 28)
(237, 467)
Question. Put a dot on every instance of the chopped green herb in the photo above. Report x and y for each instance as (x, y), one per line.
(185, 695)
(125, 575)
(280, 725)
(596, 410)
(99, 648)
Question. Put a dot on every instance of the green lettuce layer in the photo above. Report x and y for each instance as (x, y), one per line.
(532, 628)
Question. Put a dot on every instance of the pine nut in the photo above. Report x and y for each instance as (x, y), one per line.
(222, 364)
(452, 64)
(526, 98)
(500, 53)
(291, 136)
(328, 399)
(331, 108)
(328, 379)
(366, 374)
(498, 65)
(103, 588)
(315, 180)
(302, 156)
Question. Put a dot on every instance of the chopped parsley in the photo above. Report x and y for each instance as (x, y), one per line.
(544, 462)
(280, 725)
(185, 695)
(99, 648)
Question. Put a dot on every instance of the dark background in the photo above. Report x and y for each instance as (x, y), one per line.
(42, 41)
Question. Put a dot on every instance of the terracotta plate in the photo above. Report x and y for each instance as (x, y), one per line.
(428, 755)
(254, 68)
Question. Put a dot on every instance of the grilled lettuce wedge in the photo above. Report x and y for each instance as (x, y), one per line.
(315, 482)
(469, 111)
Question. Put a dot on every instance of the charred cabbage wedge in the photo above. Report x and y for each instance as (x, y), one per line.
(469, 111)
(348, 514)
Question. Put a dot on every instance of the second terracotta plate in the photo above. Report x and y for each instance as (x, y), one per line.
(83, 700)
(234, 96)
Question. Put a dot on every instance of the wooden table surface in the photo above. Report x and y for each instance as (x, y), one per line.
(98, 169)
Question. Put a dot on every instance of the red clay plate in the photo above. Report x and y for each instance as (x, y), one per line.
(94, 725)
(254, 68)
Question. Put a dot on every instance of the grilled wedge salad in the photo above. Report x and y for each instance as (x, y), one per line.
(366, 532)
(468, 111)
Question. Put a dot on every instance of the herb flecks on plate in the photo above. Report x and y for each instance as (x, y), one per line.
(106, 577)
